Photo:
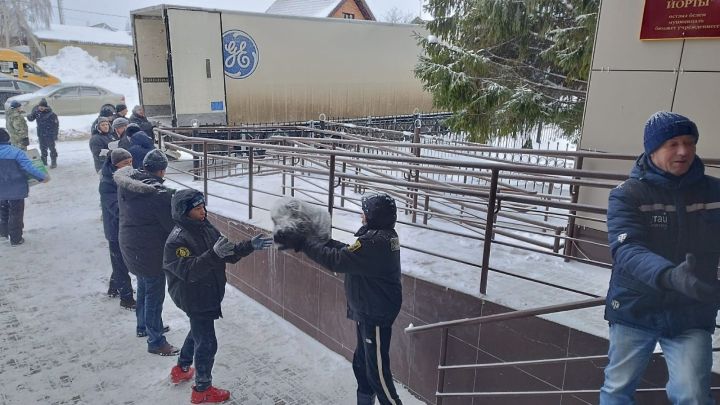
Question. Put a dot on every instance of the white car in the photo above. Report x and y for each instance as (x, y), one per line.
(69, 98)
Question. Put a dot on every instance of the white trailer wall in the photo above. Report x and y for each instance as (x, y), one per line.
(631, 79)
(337, 67)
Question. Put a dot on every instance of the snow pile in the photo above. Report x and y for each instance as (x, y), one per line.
(89, 35)
(73, 64)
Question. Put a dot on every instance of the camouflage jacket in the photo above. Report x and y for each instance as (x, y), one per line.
(17, 128)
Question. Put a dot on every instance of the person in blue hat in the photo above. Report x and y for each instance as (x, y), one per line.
(663, 224)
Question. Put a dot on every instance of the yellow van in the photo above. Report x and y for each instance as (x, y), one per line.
(15, 64)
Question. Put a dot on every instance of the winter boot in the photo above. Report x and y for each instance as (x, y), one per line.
(365, 399)
(211, 394)
(165, 350)
(53, 163)
(44, 160)
(17, 242)
(128, 303)
(113, 292)
(178, 374)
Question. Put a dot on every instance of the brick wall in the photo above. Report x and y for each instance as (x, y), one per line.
(351, 7)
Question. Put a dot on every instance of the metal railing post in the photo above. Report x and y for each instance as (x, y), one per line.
(251, 161)
(331, 183)
(570, 232)
(489, 231)
(443, 358)
(205, 170)
(284, 175)
(416, 179)
(342, 186)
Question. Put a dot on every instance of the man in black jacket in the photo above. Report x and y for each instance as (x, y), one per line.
(145, 223)
(138, 117)
(47, 131)
(372, 288)
(194, 261)
(120, 283)
(100, 143)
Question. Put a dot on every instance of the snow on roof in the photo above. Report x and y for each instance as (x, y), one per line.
(88, 35)
(306, 8)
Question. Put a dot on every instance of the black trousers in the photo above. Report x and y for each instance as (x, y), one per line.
(200, 345)
(371, 363)
(11, 219)
(120, 279)
(47, 142)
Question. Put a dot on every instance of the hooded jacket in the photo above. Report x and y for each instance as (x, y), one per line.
(372, 270)
(14, 170)
(142, 122)
(109, 202)
(145, 220)
(140, 145)
(654, 219)
(47, 122)
(195, 273)
(98, 142)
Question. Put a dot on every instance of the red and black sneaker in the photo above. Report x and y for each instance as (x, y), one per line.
(178, 374)
(210, 395)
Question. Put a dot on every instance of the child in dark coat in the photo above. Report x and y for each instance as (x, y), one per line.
(194, 261)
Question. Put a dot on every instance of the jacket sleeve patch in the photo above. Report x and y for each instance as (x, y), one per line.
(395, 244)
(182, 251)
(355, 246)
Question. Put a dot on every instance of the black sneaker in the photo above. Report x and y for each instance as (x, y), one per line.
(18, 242)
(113, 293)
(166, 329)
(128, 304)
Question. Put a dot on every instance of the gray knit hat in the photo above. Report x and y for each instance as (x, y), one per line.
(118, 155)
(120, 122)
(155, 160)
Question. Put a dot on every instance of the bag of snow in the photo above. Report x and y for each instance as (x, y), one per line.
(291, 215)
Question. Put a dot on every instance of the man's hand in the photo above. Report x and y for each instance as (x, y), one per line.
(223, 247)
(683, 279)
(260, 242)
(289, 239)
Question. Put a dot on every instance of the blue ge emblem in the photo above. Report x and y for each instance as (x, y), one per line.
(240, 54)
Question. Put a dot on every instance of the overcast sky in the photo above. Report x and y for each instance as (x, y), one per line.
(115, 13)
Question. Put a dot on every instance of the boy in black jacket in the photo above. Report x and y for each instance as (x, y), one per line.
(194, 260)
(373, 290)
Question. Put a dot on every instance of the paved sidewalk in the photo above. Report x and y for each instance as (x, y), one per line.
(62, 341)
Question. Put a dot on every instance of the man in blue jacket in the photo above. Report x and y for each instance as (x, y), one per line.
(14, 169)
(663, 224)
(372, 288)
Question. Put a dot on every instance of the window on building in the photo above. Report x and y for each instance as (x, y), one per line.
(349, 16)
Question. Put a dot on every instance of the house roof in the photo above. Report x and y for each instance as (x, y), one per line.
(313, 8)
(87, 35)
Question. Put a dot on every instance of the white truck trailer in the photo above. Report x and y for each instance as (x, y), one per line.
(215, 67)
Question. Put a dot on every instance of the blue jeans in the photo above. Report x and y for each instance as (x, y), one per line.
(200, 345)
(150, 297)
(688, 357)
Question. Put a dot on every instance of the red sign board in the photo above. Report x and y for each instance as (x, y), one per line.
(680, 19)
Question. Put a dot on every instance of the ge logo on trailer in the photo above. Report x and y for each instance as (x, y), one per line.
(240, 54)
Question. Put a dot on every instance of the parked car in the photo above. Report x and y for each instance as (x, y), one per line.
(10, 86)
(70, 98)
(15, 64)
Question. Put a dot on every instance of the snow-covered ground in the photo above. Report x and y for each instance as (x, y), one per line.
(64, 342)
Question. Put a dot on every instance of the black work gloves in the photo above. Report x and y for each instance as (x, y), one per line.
(289, 239)
(683, 279)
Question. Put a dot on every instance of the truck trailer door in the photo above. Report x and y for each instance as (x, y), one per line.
(198, 81)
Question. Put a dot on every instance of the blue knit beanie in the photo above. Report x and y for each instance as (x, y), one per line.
(664, 125)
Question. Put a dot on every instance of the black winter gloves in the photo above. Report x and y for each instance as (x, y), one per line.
(288, 239)
(683, 279)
